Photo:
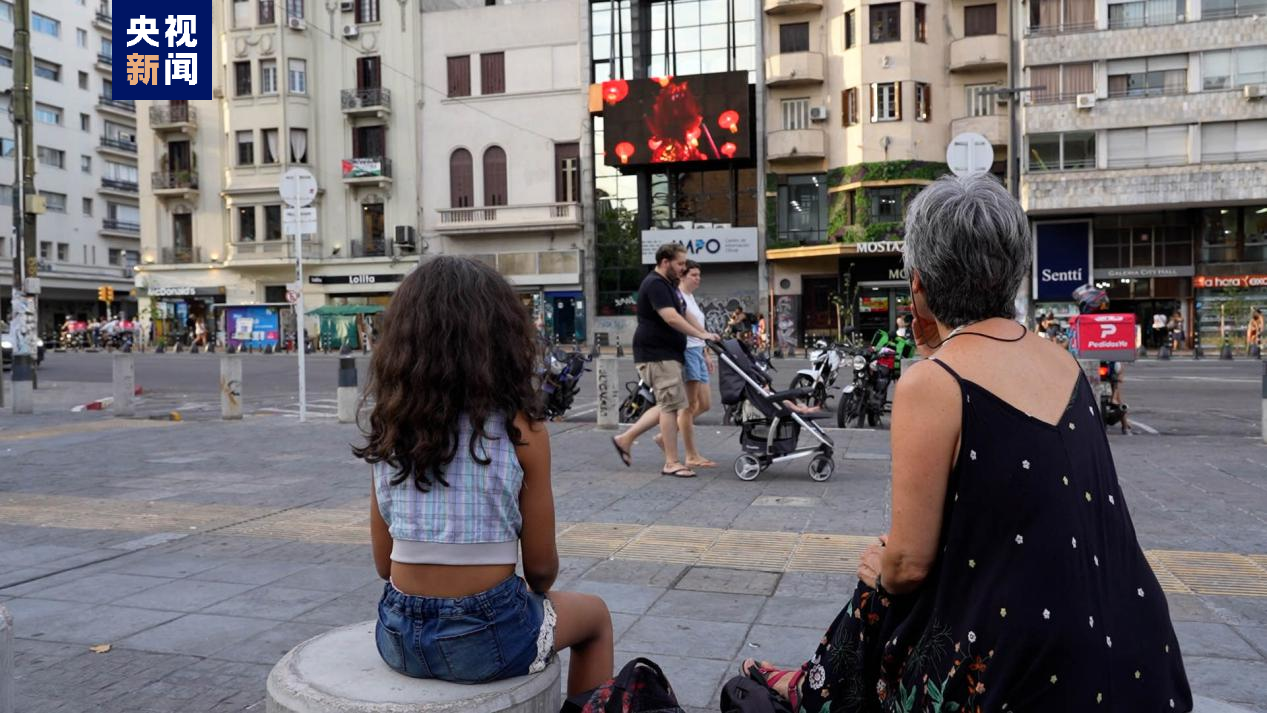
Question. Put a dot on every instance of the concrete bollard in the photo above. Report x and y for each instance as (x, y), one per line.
(348, 391)
(1225, 354)
(608, 393)
(124, 385)
(620, 351)
(1164, 353)
(231, 387)
(23, 384)
(6, 661)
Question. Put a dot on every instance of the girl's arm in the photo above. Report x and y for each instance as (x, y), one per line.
(536, 504)
(380, 538)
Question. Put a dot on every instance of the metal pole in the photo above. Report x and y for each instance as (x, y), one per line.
(299, 325)
(759, 154)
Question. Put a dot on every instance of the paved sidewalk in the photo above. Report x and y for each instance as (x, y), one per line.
(202, 551)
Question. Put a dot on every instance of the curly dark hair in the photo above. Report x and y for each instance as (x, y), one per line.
(455, 340)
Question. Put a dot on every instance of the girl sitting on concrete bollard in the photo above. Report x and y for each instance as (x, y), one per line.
(461, 484)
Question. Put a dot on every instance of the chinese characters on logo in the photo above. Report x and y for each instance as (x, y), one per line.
(179, 66)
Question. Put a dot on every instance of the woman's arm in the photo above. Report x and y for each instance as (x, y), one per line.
(380, 538)
(536, 504)
(924, 437)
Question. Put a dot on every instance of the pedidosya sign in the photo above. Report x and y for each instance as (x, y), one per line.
(704, 244)
(161, 51)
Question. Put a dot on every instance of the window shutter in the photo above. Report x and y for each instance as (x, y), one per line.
(460, 76)
(494, 176)
(461, 180)
(493, 73)
(928, 102)
(844, 108)
(897, 101)
(874, 103)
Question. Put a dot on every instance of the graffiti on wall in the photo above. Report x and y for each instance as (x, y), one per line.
(717, 309)
(785, 311)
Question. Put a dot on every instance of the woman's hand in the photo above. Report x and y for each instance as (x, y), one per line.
(869, 564)
(927, 337)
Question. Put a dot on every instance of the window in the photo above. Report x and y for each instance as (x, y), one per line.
(851, 29)
(55, 202)
(83, 80)
(85, 164)
(1148, 76)
(980, 20)
(1061, 83)
(1214, 9)
(850, 102)
(494, 176)
(298, 76)
(886, 204)
(794, 37)
(367, 10)
(6, 57)
(46, 25)
(48, 114)
(795, 113)
(1234, 141)
(114, 256)
(106, 49)
(246, 148)
(978, 102)
(241, 13)
(268, 76)
(183, 237)
(1230, 69)
(921, 22)
(246, 224)
(1139, 13)
(87, 206)
(242, 79)
(923, 101)
(460, 76)
(51, 157)
(295, 8)
(47, 70)
(1255, 233)
(63, 252)
(6, 11)
(369, 141)
(886, 22)
(373, 229)
(81, 37)
(1051, 16)
(7, 148)
(272, 222)
(493, 73)
(85, 122)
(299, 146)
(266, 14)
(369, 73)
(121, 172)
(268, 146)
(46, 249)
(461, 179)
(802, 204)
(1153, 146)
(567, 181)
(1057, 152)
(886, 102)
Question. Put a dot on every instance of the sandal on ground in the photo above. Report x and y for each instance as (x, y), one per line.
(701, 463)
(679, 472)
(770, 676)
(624, 454)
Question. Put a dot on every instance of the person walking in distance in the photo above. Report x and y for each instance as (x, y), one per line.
(659, 347)
(1255, 331)
(699, 364)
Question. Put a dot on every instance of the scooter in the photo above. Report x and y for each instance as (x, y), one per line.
(865, 400)
(821, 376)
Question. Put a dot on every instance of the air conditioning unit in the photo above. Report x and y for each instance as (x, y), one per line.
(1085, 101)
(347, 5)
(351, 31)
(1254, 91)
(406, 236)
(295, 23)
(818, 113)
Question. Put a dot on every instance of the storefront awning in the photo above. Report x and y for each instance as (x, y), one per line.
(336, 310)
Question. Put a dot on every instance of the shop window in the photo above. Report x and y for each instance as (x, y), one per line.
(886, 204)
(1218, 235)
(803, 209)
(1255, 234)
(885, 22)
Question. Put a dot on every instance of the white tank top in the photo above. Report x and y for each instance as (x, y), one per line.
(696, 316)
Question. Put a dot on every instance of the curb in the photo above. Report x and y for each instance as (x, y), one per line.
(100, 404)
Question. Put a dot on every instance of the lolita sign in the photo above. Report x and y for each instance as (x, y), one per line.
(694, 118)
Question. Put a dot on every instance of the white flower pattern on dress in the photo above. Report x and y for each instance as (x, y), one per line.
(972, 454)
(972, 637)
(1064, 479)
(1109, 640)
(1096, 559)
(1020, 540)
(545, 637)
(1072, 427)
(1075, 542)
(1025, 464)
(1091, 621)
(1140, 592)
(1112, 501)
(817, 676)
(1046, 613)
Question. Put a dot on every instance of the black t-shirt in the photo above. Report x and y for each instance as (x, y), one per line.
(654, 339)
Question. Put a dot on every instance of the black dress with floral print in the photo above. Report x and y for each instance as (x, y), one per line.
(1041, 599)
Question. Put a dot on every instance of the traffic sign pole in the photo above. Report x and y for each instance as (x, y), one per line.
(297, 189)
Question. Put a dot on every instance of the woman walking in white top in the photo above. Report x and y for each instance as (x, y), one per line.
(699, 363)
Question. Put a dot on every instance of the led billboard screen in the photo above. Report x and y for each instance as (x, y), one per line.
(701, 117)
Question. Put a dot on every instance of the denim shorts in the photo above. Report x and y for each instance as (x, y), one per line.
(696, 368)
(504, 632)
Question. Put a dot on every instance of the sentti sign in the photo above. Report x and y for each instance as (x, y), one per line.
(1223, 281)
(1104, 337)
(1063, 259)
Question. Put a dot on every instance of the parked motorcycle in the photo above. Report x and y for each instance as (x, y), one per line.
(825, 362)
(639, 399)
(562, 379)
(865, 400)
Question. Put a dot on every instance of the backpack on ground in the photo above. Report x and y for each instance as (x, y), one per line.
(640, 687)
(742, 694)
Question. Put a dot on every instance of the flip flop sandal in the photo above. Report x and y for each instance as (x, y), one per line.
(705, 463)
(682, 472)
(769, 676)
(624, 454)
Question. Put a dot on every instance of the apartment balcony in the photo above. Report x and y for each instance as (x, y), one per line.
(795, 145)
(367, 171)
(794, 68)
(105, 62)
(103, 21)
(369, 247)
(111, 227)
(179, 118)
(1143, 109)
(181, 256)
(1176, 187)
(375, 102)
(117, 107)
(268, 252)
(510, 218)
(982, 52)
(174, 184)
(1179, 38)
(117, 147)
(994, 127)
(115, 187)
(783, 7)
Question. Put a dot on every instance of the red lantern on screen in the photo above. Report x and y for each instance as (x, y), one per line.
(615, 90)
(693, 134)
(729, 119)
(729, 149)
(624, 150)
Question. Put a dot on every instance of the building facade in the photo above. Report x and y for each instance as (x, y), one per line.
(86, 166)
(1146, 157)
(862, 100)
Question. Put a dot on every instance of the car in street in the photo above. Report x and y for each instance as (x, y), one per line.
(6, 348)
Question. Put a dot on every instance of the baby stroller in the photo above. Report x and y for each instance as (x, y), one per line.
(769, 430)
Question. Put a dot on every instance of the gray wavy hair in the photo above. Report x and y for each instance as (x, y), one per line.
(969, 241)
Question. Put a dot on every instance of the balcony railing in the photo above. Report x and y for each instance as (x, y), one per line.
(367, 168)
(1060, 28)
(172, 115)
(510, 218)
(371, 99)
(119, 144)
(104, 17)
(271, 249)
(266, 15)
(120, 226)
(173, 180)
(121, 104)
(181, 255)
(117, 185)
(373, 247)
(1134, 92)
(105, 58)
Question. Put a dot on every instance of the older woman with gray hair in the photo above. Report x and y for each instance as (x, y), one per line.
(1010, 578)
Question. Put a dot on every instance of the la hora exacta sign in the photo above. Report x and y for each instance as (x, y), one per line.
(161, 50)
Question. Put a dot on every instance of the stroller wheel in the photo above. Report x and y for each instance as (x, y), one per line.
(821, 467)
(748, 467)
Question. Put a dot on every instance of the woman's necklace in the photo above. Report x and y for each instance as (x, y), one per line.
(959, 331)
